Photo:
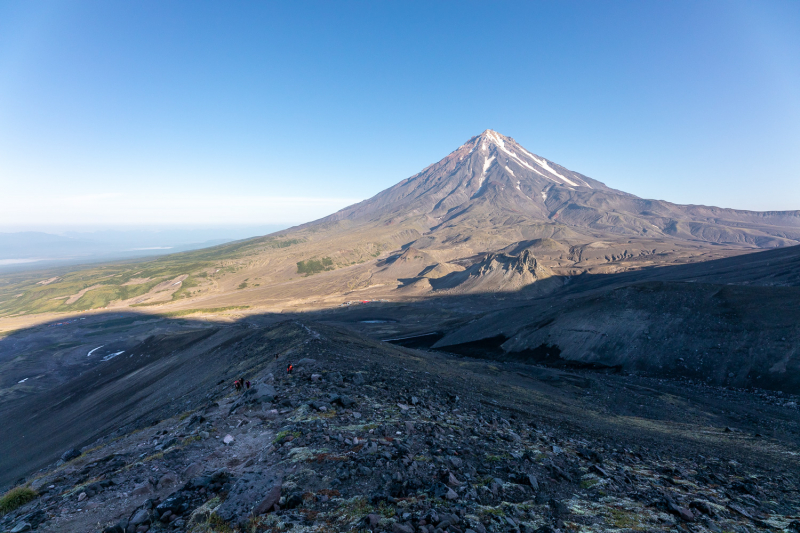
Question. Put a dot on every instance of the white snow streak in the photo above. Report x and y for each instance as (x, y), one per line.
(541, 162)
(22, 380)
(113, 355)
(511, 172)
(92, 351)
(486, 164)
(544, 196)
(544, 165)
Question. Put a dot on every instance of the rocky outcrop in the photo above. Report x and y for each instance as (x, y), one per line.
(499, 273)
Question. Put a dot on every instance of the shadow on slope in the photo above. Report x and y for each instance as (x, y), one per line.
(105, 375)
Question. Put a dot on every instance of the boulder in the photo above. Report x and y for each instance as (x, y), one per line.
(142, 489)
(175, 503)
(253, 494)
(170, 479)
(142, 516)
(69, 455)
(193, 470)
(681, 512)
(345, 401)
(397, 527)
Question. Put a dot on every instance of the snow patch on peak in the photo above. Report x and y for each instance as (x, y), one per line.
(486, 164)
(510, 171)
(494, 137)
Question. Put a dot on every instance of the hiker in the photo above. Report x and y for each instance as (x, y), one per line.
(237, 385)
(247, 383)
(289, 368)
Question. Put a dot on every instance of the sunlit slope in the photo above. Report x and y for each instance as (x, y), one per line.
(490, 195)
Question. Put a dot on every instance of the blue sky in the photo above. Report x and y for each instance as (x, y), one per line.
(270, 113)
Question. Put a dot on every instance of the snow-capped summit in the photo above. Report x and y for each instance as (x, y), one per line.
(494, 187)
(489, 167)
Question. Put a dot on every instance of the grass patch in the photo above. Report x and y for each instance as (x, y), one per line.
(189, 440)
(623, 520)
(589, 483)
(219, 524)
(16, 498)
(283, 434)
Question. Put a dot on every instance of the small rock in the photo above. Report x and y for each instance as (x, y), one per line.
(228, 439)
(681, 512)
(401, 528)
(316, 377)
(81, 496)
(702, 506)
(142, 489)
(20, 527)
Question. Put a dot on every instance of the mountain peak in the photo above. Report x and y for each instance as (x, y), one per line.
(491, 137)
(490, 172)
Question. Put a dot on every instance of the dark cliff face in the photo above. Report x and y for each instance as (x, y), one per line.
(732, 322)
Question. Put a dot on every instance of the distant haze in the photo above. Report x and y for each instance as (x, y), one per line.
(47, 246)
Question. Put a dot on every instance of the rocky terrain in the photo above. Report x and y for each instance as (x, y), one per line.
(368, 436)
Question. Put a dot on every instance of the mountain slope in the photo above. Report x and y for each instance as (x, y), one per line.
(490, 195)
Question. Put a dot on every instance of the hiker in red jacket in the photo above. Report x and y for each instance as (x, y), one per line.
(289, 368)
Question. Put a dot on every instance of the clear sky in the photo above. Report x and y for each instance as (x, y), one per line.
(153, 112)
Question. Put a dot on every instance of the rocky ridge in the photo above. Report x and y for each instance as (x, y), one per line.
(367, 436)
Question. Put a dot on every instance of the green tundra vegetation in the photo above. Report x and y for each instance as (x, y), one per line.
(15, 498)
(313, 266)
(85, 287)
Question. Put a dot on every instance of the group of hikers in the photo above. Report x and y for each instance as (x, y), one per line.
(240, 384)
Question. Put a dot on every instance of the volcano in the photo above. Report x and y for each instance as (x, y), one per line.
(491, 181)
